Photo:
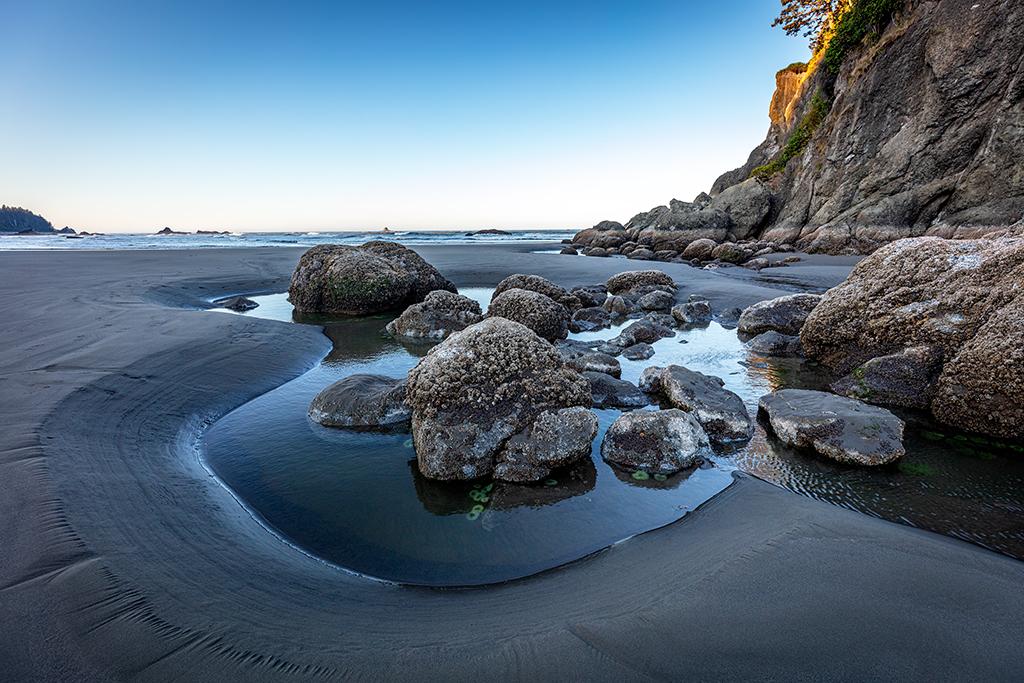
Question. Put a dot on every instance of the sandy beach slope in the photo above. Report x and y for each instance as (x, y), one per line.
(124, 559)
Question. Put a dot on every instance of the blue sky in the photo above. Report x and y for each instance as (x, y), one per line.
(313, 116)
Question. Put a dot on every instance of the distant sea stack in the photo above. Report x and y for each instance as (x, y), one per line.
(908, 121)
(14, 219)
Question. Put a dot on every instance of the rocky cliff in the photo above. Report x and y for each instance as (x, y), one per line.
(910, 122)
(924, 133)
(16, 219)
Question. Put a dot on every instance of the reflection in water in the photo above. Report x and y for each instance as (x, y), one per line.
(358, 500)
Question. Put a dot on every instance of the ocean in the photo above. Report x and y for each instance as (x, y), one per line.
(271, 239)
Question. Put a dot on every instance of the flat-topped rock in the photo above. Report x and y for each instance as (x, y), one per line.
(842, 429)
(630, 280)
(785, 314)
(362, 401)
(609, 392)
(774, 343)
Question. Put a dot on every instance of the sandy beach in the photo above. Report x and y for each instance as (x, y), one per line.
(124, 558)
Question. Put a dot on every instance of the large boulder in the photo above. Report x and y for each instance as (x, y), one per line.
(478, 388)
(785, 314)
(585, 237)
(720, 412)
(961, 298)
(843, 429)
(905, 379)
(362, 401)
(632, 280)
(373, 277)
(436, 317)
(656, 301)
(557, 438)
(658, 442)
(747, 205)
(536, 283)
(699, 249)
(543, 315)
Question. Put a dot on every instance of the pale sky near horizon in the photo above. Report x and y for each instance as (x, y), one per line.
(128, 116)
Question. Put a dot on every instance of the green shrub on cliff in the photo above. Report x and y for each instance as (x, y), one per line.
(798, 139)
(864, 18)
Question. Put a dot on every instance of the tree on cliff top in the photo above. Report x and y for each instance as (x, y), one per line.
(810, 18)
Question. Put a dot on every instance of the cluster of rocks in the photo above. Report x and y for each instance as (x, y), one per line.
(506, 396)
(843, 429)
(705, 232)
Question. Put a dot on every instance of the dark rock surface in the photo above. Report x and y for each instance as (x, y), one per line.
(237, 303)
(478, 388)
(609, 392)
(785, 314)
(719, 411)
(842, 429)
(906, 379)
(587, 319)
(362, 401)
(543, 315)
(557, 438)
(647, 330)
(692, 313)
(662, 441)
(774, 343)
(373, 277)
(436, 317)
(584, 359)
(640, 351)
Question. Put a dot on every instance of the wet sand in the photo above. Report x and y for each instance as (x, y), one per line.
(124, 558)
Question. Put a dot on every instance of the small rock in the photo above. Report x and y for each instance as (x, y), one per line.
(656, 301)
(639, 351)
(596, 251)
(774, 343)
(609, 392)
(699, 249)
(643, 330)
(568, 251)
(619, 306)
(590, 296)
(692, 313)
(587, 319)
(663, 441)
(630, 281)
(590, 360)
(237, 303)
(843, 429)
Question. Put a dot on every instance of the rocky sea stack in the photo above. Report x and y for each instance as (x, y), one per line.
(373, 277)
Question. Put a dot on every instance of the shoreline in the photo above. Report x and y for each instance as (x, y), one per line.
(128, 561)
